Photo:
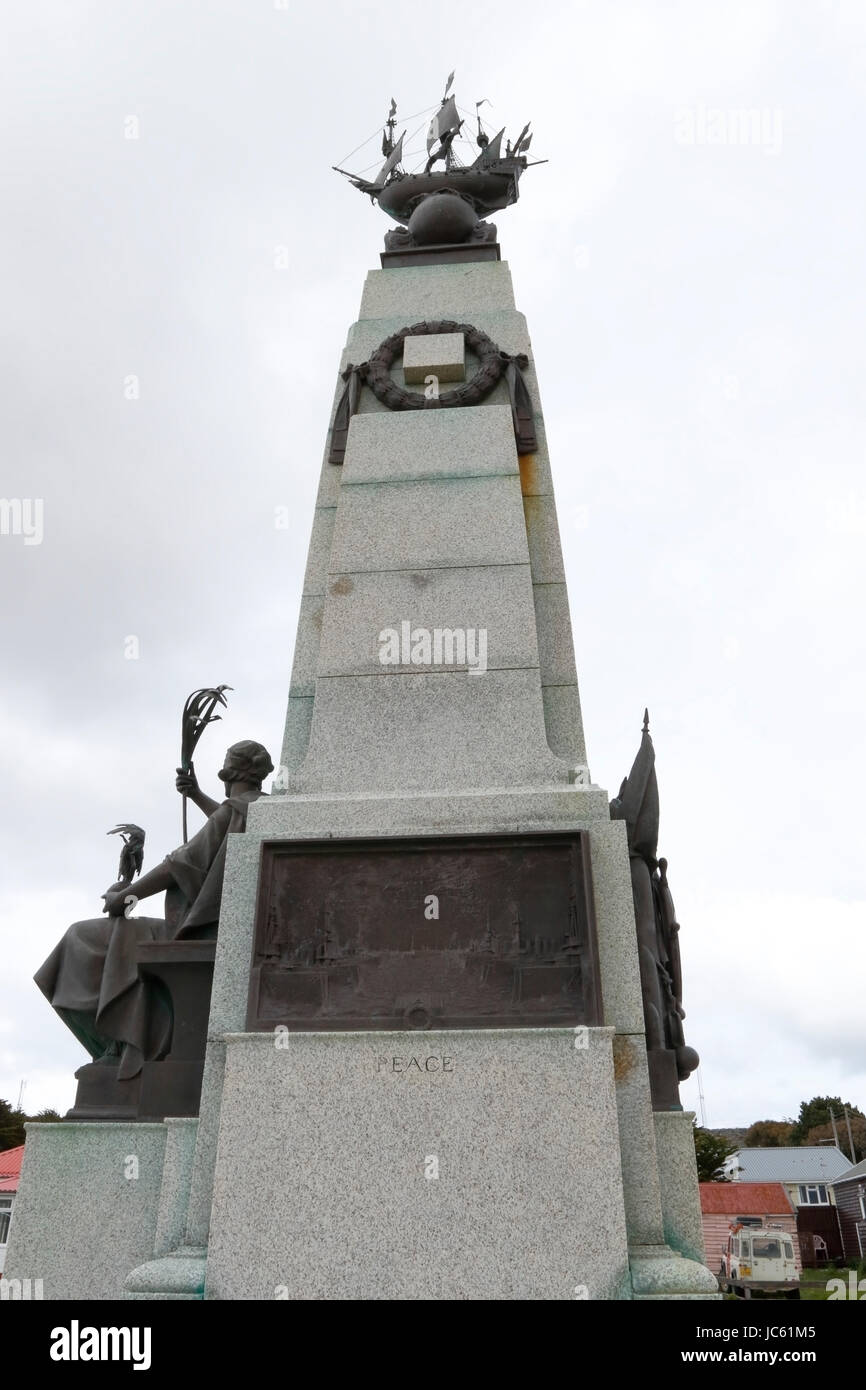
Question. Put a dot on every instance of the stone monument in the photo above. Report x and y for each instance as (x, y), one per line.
(427, 1072)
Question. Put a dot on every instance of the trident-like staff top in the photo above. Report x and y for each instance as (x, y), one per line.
(198, 712)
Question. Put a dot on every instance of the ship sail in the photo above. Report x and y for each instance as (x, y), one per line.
(390, 163)
(521, 143)
(445, 120)
(491, 151)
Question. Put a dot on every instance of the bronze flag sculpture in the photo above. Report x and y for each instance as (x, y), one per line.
(670, 1060)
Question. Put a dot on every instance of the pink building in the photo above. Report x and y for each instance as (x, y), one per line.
(759, 1204)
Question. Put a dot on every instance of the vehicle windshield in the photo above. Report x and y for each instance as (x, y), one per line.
(766, 1249)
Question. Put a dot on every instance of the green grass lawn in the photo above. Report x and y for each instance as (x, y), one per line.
(813, 1282)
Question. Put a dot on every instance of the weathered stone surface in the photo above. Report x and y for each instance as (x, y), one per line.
(681, 1198)
(563, 722)
(176, 1277)
(617, 942)
(496, 601)
(337, 1199)
(174, 1190)
(307, 644)
(441, 354)
(319, 553)
(296, 738)
(437, 291)
(543, 533)
(640, 1179)
(657, 1272)
(426, 525)
(86, 1210)
(424, 732)
(404, 446)
(555, 647)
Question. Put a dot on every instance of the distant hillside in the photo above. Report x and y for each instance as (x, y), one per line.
(732, 1136)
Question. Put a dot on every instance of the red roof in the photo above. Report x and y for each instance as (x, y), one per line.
(745, 1199)
(10, 1168)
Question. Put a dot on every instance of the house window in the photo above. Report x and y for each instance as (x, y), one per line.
(5, 1214)
(863, 1203)
(813, 1194)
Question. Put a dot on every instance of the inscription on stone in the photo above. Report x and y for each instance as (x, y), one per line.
(463, 932)
(403, 1065)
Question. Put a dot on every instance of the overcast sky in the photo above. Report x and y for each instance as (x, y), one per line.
(697, 313)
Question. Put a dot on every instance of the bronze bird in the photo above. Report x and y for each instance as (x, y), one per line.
(132, 854)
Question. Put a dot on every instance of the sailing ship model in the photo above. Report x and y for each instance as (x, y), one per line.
(485, 185)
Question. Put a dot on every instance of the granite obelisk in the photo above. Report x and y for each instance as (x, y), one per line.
(447, 1062)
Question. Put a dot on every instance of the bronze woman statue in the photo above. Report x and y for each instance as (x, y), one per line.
(91, 977)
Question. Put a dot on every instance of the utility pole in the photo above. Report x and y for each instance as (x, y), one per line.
(835, 1135)
(701, 1100)
(850, 1138)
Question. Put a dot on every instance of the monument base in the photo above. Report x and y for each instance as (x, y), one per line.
(87, 1208)
(442, 1165)
(98, 1200)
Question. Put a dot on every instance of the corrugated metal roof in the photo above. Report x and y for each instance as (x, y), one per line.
(858, 1172)
(10, 1168)
(811, 1163)
(744, 1199)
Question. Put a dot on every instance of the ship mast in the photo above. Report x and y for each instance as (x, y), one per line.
(388, 132)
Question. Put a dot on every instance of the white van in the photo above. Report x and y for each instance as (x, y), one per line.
(759, 1261)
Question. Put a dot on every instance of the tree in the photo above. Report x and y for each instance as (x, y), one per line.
(711, 1150)
(816, 1112)
(768, 1134)
(12, 1122)
(11, 1126)
(823, 1134)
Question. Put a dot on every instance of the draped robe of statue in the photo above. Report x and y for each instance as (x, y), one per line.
(91, 977)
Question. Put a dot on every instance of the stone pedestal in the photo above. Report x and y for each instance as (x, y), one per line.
(87, 1208)
(433, 1165)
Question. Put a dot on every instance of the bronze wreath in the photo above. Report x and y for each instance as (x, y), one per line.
(493, 363)
(376, 373)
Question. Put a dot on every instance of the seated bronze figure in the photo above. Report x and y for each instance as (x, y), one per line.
(92, 976)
